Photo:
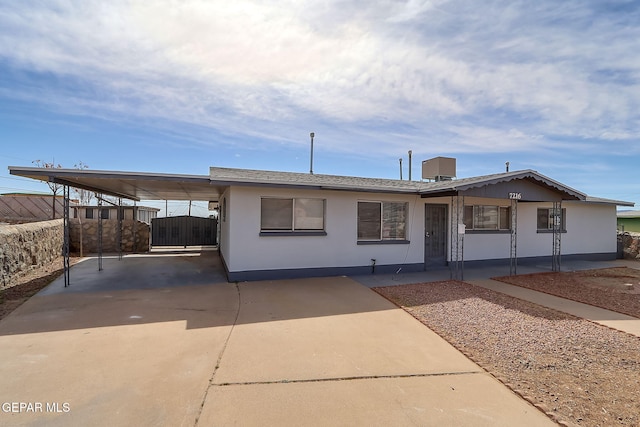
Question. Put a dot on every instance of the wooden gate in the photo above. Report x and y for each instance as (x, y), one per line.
(184, 231)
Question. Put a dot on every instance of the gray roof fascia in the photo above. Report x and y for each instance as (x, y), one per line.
(609, 201)
(100, 174)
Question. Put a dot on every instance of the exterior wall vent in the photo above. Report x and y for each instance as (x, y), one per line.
(439, 169)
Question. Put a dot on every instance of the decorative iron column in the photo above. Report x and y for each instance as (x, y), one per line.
(120, 215)
(66, 236)
(100, 232)
(556, 218)
(513, 254)
(457, 238)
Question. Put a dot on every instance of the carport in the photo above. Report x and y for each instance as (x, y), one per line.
(134, 186)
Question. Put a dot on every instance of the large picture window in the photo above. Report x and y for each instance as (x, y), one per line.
(547, 216)
(291, 214)
(482, 217)
(382, 221)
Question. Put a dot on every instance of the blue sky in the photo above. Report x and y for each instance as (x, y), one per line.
(178, 86)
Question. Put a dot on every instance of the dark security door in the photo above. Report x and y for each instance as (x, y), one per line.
(435, 235)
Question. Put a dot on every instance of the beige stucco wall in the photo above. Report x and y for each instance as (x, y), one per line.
(591, 229)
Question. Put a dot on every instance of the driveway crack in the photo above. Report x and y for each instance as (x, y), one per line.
(363, 377)
(224, 348)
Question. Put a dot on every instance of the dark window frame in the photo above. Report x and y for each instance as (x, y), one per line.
(388, 225)
(293, 224)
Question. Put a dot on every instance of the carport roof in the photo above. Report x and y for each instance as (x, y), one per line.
(129, 185)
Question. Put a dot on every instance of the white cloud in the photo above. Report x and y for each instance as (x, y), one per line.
(505, 76)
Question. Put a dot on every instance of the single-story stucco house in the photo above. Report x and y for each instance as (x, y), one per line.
(281, 224)
(286, 224)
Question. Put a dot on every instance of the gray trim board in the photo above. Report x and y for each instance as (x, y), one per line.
(296, 273)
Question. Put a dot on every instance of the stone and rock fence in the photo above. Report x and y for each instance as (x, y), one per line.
(630, 245)
(25, 247)
(135, 236)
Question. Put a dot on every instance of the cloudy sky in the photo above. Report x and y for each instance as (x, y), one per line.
(177, 86)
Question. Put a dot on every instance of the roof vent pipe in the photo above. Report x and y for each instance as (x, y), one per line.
(507, 165)
(400, 159)
(410, 165)
(311, 164)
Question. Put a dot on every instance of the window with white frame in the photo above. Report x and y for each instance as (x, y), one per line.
(382, 221)
(547, 216)
(294, 214)
(483, 217)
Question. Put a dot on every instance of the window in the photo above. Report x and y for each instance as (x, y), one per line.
(292, 214)
(480, 217)
(382, 221)
(104, 214)
(546, 219)
(88, 213)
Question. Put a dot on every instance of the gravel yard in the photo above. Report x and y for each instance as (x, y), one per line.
(578, 372)
(616, 289)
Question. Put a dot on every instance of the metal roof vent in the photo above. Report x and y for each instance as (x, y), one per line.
(439, 169)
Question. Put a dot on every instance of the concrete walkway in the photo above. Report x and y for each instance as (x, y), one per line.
(178, 350)
(609, 318)
(481, 276)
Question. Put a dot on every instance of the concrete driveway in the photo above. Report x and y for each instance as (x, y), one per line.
(160, 340)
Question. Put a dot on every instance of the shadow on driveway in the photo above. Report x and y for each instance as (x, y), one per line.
(167, 287)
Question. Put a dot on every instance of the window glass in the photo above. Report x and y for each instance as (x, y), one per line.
(505, 218)
(104, 214)
(485, 217)
(468, 217)
(543, 219)
(276, 214)
(546, 219)
(394, 221)
(369, 220)
(88, 213)
(309, 214)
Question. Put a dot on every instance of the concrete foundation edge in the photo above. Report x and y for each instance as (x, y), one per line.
(295, 273)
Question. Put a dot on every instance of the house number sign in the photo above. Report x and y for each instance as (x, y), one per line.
(515, 196)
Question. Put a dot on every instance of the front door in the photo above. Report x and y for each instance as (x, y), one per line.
(435, 235)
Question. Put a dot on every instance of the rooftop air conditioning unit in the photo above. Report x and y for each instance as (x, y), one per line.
(439, 169)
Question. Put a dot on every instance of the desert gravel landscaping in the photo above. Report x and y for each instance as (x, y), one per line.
(578, 372)
(616, 289)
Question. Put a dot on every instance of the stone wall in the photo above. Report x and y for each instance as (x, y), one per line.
(135, 236)
(630, 245)
(25, 247)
